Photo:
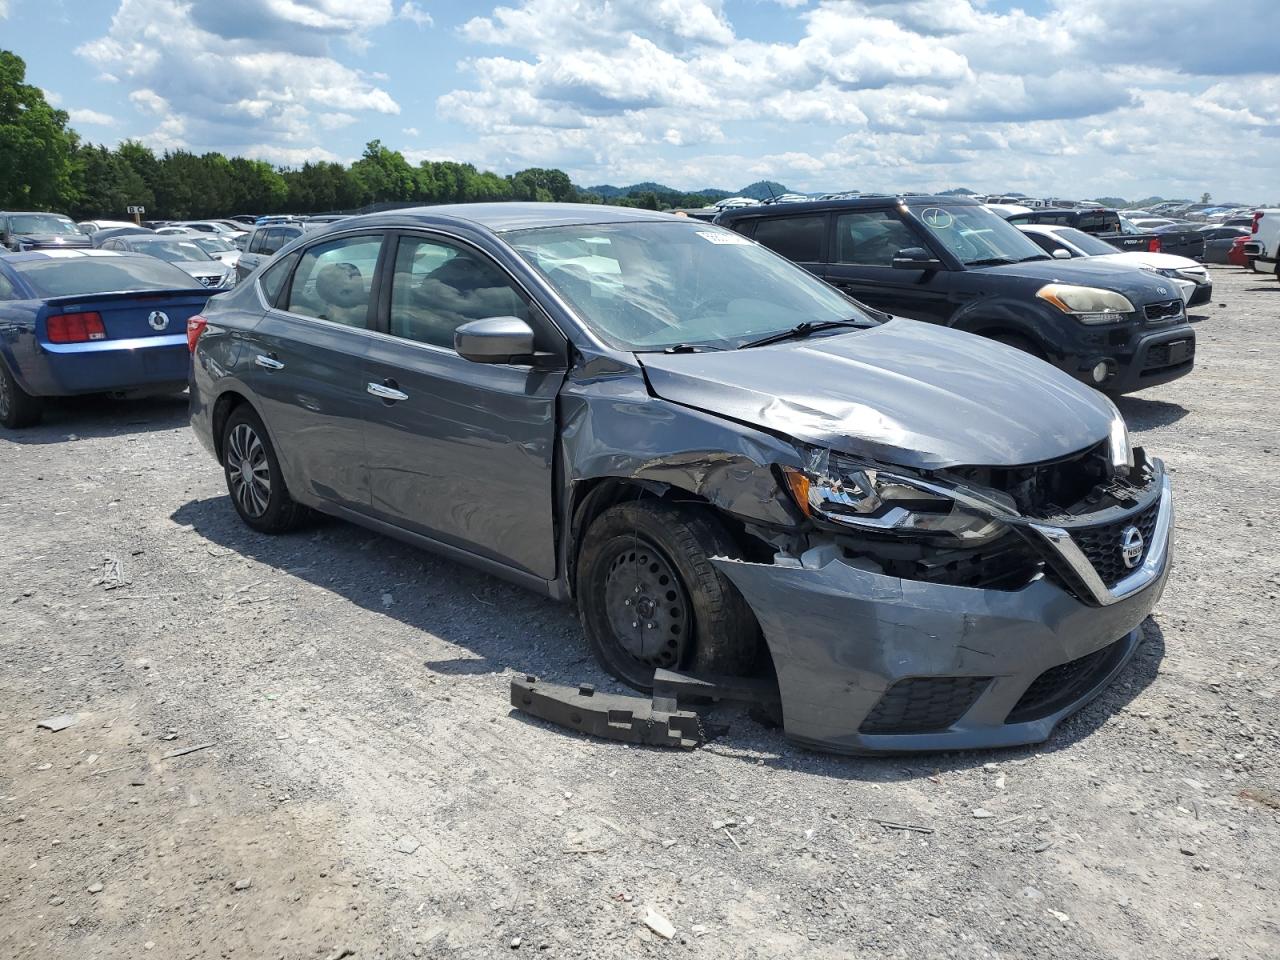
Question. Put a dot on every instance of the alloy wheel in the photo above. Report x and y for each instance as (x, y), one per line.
(248, 472)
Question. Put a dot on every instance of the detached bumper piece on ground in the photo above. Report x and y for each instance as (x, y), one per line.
(657, 722)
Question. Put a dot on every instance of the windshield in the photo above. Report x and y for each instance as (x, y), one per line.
(1089, 245)
(43, 223)
(976, 236)
(212, 244)
(652, 285)
(109, 274)
(175, 251)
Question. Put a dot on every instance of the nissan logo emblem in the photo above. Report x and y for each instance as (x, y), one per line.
(1131, 547)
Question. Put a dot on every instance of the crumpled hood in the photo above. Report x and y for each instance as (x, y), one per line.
(907, 393)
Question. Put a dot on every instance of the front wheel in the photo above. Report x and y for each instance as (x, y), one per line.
(651, 598)
(18, 408)
(254, 479)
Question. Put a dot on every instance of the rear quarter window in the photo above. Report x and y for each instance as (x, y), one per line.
(796, 238)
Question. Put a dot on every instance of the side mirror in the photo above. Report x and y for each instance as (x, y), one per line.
(495, 340)
(1061, 254)
(916, 258)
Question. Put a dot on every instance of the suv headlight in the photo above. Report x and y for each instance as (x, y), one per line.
(842, 491)
(1121, 449)
(1086, 304)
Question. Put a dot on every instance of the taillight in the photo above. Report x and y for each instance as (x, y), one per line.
(76, 328)
(195, 327)
(1153, 245)
(1257, 218)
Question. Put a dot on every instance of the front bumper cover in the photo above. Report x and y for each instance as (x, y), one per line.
(841, 637)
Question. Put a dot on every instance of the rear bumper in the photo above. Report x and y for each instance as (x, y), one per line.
(858, 653)
(60, 370)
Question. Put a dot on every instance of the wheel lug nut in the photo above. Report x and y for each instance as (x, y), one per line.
(627, 602)
(635, 623)
(651, 625)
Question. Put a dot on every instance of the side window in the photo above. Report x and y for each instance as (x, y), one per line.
(273, 242)
(6, 289)
(1048, 244)
(438, 286)
(796, 238)
(333, 280)
(258, 240)
(273, 278)
(1023, 218)
(871, 238)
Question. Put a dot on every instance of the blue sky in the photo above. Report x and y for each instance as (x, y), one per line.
(1069, 97)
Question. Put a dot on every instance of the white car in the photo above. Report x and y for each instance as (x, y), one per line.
(91, 227)
(1264, 245)
(1067, 243)
(1007, 210)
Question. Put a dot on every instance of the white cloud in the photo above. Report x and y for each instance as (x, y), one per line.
(91, 116)
(410, 131)
(878, 94)
(414, 14)
(237, 75)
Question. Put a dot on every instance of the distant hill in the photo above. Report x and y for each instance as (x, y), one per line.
(957, 192)
(760, 190)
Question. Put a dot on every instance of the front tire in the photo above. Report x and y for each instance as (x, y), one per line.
(253, 474)
(18, 408)
(650, 597)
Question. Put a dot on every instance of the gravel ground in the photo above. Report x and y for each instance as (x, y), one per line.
(364, 789)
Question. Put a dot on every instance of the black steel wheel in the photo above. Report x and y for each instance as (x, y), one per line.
(650, 597)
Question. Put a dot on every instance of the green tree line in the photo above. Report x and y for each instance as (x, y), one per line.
(44, 165)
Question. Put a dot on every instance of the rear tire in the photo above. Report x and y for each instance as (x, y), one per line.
(18, 408)
(253, 475)
(650, 597)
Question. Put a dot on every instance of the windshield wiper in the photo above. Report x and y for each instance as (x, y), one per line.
(689, 348)
(802, 330)
(989, 262)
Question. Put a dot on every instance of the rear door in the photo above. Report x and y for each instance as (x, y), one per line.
(863, 246)
(304, 361)
(801, 239)
(461, 452)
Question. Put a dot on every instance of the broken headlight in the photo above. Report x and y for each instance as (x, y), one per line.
(842, 491)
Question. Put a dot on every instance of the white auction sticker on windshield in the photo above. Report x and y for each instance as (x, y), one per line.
(937, 218)
(723, 236)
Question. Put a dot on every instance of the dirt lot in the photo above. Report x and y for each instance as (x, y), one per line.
(354, 693)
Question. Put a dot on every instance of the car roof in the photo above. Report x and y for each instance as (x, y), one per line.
(28, 213)
(501, 217)
(864, 202)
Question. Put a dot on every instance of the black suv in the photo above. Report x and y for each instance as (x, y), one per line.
(950, 260)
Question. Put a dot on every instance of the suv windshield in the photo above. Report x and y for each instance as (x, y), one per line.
(1090, 245)
(652, 285)
(43, 223)
(976, 236)
(175, 251)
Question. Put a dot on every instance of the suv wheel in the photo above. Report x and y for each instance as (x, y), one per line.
(650, 597)
(253, 475)
(17, 407)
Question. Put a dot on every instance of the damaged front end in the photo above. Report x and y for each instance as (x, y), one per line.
(962, 607)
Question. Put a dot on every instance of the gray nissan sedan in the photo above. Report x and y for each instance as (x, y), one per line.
(931, 540)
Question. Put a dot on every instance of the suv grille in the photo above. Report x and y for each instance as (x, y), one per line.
(1102, 544)
(1160, 312)
(207, 281)
(1061, 685)
(923, 704)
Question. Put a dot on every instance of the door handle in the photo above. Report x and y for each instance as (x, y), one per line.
(387, 391)
(268, 363)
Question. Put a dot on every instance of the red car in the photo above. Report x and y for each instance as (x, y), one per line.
(1235, 256)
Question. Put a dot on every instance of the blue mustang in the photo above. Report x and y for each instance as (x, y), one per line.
(94, 321)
